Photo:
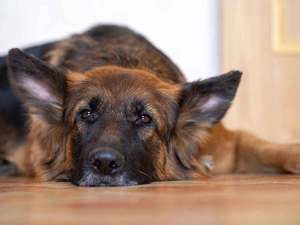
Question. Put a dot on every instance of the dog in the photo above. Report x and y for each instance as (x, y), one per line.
(107, 108)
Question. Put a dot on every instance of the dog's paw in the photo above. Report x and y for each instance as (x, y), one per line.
(8, 168)
(291, 159)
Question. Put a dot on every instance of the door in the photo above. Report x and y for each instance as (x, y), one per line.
(262, 39)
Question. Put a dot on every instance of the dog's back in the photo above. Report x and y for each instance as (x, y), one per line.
(112, 45)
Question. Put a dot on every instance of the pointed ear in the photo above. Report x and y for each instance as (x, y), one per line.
(206, 102)
(39, 85)
(201, 106)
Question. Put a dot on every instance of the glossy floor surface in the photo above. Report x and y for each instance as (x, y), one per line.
(234, 199)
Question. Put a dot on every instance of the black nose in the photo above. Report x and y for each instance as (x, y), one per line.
(107, 162)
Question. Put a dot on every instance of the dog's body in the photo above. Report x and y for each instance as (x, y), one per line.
(107, 108)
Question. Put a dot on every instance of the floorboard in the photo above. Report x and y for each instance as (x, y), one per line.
(232, 199)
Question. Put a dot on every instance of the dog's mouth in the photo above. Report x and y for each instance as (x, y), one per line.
(90, 179)
(104, 181)
(93, 180)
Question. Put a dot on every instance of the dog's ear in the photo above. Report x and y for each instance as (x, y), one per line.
(206, 102)
(39, 85)
(202, 104)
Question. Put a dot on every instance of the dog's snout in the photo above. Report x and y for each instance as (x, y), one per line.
(107, 162)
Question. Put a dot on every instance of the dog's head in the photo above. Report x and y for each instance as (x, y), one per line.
(117, 126)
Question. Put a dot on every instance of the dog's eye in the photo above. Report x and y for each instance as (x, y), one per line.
(87, 115)
(144, 119)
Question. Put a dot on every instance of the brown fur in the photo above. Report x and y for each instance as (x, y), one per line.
(92, 60)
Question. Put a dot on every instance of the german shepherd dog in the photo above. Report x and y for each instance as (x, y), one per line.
(107, 108)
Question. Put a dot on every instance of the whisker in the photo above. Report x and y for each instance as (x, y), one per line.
(143, 173)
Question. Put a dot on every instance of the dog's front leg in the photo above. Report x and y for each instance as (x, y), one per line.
(256, 155)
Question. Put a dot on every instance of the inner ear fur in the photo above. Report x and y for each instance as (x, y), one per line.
(39, 85)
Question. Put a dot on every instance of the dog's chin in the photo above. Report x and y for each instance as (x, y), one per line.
(90, 179)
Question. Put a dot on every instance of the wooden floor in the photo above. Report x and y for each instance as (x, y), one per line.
(237, 199)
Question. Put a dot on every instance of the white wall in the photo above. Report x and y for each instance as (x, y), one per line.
(187, 31)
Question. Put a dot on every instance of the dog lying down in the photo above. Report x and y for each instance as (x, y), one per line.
(107, 108)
